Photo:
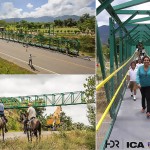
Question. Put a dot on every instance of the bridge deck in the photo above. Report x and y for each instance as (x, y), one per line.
(131, 124)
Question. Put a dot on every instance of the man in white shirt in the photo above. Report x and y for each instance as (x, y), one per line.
(31, 112)
(132, 79)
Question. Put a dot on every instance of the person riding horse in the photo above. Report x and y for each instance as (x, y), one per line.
(4, 119)
(31, 114)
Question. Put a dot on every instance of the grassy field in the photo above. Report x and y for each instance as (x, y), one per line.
(72, 140)
(7, 67)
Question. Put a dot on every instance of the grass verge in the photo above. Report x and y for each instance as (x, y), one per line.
(7, 67)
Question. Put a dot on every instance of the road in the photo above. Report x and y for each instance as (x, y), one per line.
(45, 61)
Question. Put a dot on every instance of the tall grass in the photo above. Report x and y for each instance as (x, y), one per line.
(72, 140)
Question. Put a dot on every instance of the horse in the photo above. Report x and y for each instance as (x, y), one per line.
(32, 127)
(23, 118)
(2, 126)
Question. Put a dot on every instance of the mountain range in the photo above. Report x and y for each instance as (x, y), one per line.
(43, 19)
(104, 33)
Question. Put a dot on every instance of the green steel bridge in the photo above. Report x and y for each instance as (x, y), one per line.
(46, 40)
(45, 100)
(117, 112)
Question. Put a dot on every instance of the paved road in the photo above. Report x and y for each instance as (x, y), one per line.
(45, 61)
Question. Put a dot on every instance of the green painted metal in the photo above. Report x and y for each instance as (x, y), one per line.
(140, 20)
(135, 34)
(58, 44)
(112, 59)
(129, 4)
(100, 54)
(130, 31)
(136, 37)
(130, 12)
(145, 37)
(124, 23)
(45, 100)
(101, 61)
(103, 6)
(147, 26)
(112, 13)
(112, 44)
(147, 34)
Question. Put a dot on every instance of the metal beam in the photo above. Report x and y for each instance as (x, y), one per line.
(145, 36)
(136, 37)
(112, 13)
(130, 12)
(147, 33)
(130, 31)
(123, 24)
(120, 47)
(140, 20)
(147, 26)
(100, 54)
(129, 4)
(103, 6)
(135, 34)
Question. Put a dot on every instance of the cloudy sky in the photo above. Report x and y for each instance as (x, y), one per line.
(39, 8)
(105, 20)
(23, 85)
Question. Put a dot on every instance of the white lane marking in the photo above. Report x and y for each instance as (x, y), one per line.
(27, 62)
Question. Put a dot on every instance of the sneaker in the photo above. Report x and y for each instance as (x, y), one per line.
(131, 95)
(134, 98)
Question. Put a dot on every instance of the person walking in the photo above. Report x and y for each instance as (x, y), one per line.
(143, 83)
(132, 80)
(30, 60)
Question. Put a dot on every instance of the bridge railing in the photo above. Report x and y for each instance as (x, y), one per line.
(110, 93)
(56, 99)
(63, 45)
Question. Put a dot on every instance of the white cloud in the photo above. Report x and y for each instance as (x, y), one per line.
(52, 8)
(9, 11)
(29, 5)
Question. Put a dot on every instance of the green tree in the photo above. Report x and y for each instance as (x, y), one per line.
(66, 122)
(90, 98)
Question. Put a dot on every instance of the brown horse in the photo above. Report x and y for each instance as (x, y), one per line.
(2, 126)
(32, 127)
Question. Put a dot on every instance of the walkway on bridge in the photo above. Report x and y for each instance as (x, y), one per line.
(131, 124)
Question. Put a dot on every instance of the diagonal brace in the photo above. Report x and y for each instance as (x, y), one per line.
(130, 32)
(123, 24)
(103, 6)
